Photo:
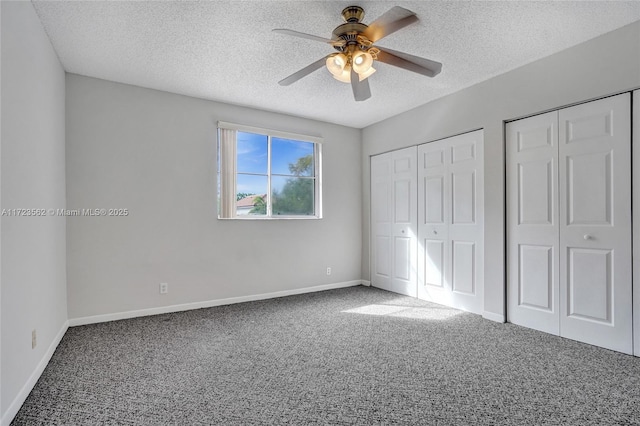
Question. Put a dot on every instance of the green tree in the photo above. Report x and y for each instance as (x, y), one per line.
(297, 196)
(241, 195)
(302, 167)
(260, 206)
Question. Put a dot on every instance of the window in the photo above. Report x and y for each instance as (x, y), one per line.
(267, 174)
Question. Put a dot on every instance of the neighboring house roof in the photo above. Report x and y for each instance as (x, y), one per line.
(249, 201)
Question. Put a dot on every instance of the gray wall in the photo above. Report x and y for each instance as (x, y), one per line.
(605, 65)
(154, 153)
(34, 294)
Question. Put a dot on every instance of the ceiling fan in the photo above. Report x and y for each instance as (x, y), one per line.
(353, 40)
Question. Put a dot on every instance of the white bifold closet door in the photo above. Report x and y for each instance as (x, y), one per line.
(533, 233)
(394, 221)
(450, 222)
(569, 223)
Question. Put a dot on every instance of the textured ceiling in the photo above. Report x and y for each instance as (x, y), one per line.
(226, 51)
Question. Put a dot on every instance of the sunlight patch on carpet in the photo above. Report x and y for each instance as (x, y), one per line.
(437, 314)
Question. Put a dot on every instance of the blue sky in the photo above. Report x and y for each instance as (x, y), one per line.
(252, 158)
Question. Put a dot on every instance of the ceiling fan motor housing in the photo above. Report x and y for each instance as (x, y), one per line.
(352, 14)
(349, 32)
(351, 29)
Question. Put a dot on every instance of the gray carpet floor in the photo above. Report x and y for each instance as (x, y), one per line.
(350, 356)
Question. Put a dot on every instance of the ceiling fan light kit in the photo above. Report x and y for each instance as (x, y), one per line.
(362, 61)
(344, 75)
(336, 63)
(356, 54)
(339, 65)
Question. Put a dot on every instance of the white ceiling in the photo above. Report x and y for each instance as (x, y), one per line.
(225, 50)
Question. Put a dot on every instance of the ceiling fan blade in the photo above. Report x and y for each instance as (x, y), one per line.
(303, 35)
(394, 19)
(409, 62)
(303, 72)
(361, 89)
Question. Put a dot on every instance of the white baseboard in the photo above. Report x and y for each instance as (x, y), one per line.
(207, 304)
(15, 405)
(366, 283)
(493, 317)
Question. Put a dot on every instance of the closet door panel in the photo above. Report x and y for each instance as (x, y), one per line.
(394, 221)
(466, 223)
(590, 285)
(405, 221)
(595, 234)
(450, 230)
(463, 190)
(532, 223)
(433, 212)
(535, 195)
(536, 267)
(381, 204)
(463, 265)
(433, 260)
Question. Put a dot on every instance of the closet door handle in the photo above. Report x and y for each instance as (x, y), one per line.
(588, 237)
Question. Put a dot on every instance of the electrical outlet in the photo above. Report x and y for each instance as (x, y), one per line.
(164, 288)
(328, 270)
(34, 340)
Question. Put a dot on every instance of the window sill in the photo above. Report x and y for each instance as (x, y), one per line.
(272, 218)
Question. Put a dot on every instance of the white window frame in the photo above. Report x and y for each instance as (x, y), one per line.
(225, 184)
